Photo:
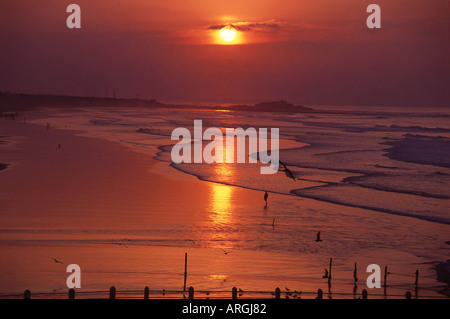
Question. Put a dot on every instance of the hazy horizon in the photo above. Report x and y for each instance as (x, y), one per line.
(212, 103)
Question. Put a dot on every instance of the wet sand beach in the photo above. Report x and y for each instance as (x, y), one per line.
(128, 220)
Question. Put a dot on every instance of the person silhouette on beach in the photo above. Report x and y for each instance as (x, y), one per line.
(266, 195)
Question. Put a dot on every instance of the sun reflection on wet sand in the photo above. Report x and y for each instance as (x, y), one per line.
(220, 204)
(221, 234)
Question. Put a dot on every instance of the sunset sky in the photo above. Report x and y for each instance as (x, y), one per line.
(303, 51)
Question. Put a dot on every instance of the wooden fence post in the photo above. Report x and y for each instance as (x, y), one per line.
(234, 293)
(408, 295)
(364, 294)
(185, 271)
(71, 293)
(27, 294)
(191, 292)
(112, 292)
(319, 294)
(385, 278)
(277, 293)
(329, 275)
(355, 273)
(146, 292)
(416, 285)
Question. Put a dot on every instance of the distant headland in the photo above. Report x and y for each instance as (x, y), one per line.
(23, 102)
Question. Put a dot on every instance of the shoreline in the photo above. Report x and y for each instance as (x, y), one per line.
(331, 201)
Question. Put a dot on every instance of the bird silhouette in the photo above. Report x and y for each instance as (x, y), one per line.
(225, 252)
(326, 274)
(297, 294)
(120, 244)
(57, 261)
(287, 171)
(318, 237)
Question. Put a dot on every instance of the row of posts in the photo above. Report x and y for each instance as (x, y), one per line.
(234, 293)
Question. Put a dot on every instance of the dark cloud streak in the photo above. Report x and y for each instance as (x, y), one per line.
(247, 26)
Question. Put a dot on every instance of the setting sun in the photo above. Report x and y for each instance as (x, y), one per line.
(228, 33)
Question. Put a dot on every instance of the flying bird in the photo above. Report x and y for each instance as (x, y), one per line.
(318, 237)
(225, 252)
(120, 244)
(57, 261)
(287, 171)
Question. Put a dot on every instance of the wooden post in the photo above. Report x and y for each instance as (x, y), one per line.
(364, 294)
(71, 293)
(277, 293)
(112, 292)
(408, 295)
(27, 294)
(185, 271)
(416, 284)
(234, 293)
(146, 292)
(355, 273)
(329, 275)
(319, 294)
(355, 279)
(191, 292)
(385, 279)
